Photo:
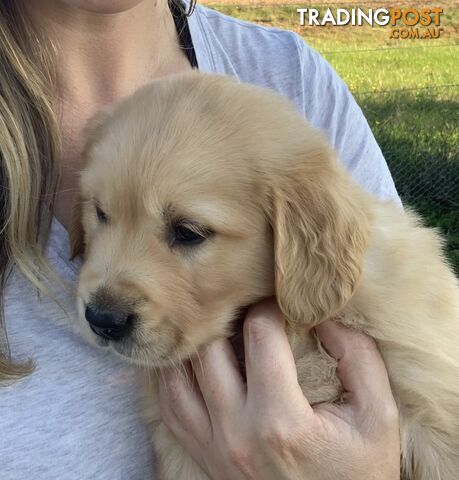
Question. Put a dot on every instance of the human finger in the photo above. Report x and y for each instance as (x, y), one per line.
(219, 379)
(360, 366)
(182, 407)
(270, 365)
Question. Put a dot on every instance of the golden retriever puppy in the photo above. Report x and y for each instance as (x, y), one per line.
(202, 196)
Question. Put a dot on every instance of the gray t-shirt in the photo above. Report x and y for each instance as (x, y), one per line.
(76, 417)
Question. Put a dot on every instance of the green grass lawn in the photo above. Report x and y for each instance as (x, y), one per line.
(408, 90)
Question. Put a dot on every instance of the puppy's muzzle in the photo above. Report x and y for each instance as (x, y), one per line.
(111, 323)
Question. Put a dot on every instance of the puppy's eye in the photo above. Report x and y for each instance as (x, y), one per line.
(188, 235)
(101, 215)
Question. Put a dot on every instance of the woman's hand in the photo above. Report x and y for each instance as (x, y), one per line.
(268, 430)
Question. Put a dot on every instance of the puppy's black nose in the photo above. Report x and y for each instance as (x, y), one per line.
(112, 324)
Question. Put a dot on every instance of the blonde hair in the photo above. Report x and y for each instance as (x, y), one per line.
(29, 159)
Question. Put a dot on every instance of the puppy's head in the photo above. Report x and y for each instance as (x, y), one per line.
(202, 196)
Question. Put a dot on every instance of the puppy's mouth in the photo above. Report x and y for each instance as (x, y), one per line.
(102, 337)
(140, 355)
(125, 343)
(102, 341)
(112, 333)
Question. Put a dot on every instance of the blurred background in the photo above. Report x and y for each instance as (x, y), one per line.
(408, 90)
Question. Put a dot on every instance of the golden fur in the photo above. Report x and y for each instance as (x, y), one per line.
(238, 164)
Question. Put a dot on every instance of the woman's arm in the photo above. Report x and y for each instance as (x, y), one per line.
(268, 430)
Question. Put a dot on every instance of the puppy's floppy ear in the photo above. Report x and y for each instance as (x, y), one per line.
(76, 234)
(95, 126)
(320, 234)
(92, 132)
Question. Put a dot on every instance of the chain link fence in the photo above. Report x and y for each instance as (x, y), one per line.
(419, 136)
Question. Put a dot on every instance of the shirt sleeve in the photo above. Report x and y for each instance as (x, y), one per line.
(329, 105)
